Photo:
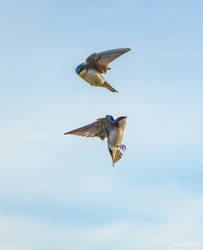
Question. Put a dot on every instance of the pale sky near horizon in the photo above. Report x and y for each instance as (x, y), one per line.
(60, 192)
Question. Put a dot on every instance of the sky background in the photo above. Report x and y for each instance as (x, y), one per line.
(60, 192)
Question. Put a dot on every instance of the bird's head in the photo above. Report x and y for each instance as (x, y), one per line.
(120, 121)
(121, 118)
(110, 118)
(80, 68)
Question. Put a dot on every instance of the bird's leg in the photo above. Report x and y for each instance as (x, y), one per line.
(122, 147)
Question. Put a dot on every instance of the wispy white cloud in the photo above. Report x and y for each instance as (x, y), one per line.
(182, 225)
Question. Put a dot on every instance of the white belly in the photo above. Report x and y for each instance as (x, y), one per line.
(93, 77)
(116, 135)
(115, 138)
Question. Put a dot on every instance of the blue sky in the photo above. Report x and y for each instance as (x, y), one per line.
(60, 192)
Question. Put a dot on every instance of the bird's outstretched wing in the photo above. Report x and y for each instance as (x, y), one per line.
(95, 129)
(100, 61)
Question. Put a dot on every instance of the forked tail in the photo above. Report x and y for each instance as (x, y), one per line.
(108, 86)
(116, 155)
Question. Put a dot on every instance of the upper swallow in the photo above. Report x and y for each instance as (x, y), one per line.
(106, 127)
(97, 64)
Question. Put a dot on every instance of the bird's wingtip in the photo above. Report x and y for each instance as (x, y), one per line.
(127, 49)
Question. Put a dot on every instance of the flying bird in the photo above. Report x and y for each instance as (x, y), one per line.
(106, 127)
(97, 64)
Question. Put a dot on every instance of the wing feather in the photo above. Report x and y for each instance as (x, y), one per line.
(100, 61)
(95, 129)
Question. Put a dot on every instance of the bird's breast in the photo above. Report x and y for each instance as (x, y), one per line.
(92, 77)
(116, 134)
(115, 138)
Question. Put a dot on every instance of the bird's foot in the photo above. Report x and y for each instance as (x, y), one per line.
(122, 147)
(108, 68)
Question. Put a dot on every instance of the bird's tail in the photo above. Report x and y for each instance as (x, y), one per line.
(108, 86)
(116, 155)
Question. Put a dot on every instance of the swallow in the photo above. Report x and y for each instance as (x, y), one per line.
(97, 64)
(108, 128)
